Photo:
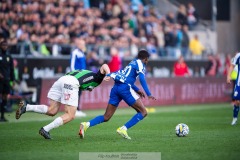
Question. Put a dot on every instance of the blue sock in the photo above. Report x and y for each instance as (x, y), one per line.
(96, 120)
(235, 111)
(135, 119)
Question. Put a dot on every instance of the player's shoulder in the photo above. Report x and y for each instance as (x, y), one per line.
(237, 55)
(78, 52)
(136, 62)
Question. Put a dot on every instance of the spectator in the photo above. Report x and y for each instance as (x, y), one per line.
(115, 61)
(211, 69)
(159, 34)
(180, 68)
(21, 87)
(192, 16)
(196, 48)
(227, 64)
(185, 41)
(103, 24)
(93, 61)
(170, 17)
(182, 15)
(171, 40)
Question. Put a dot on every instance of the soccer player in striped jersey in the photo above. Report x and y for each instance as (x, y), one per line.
(65, 91)
(236, 92)
(124, 89)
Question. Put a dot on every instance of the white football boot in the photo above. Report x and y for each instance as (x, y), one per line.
(234, 121)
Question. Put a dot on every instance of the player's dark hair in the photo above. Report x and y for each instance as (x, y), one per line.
(142, 54)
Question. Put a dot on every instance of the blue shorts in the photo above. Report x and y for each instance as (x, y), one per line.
(122, 91)
(236, 92)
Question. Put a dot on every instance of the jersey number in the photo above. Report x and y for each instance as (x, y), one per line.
(126, 70)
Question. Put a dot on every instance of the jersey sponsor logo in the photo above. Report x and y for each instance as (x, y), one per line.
(68, 86)
(87, 79)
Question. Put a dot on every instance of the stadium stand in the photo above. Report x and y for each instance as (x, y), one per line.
(43, 28)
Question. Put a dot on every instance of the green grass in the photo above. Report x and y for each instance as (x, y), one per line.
(211, 135)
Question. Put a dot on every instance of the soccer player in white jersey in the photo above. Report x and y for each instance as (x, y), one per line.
(236, 92)
(65, 91)
(124, 89)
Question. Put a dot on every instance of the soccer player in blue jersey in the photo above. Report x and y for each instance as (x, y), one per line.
(124, 89)
(65, 91)
(236, 93)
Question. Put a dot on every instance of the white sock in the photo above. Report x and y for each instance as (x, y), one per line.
(124, 127)
(88, 124)
(56, 123)
(37, 108)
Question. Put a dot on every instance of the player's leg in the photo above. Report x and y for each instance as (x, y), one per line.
(110, 110)
(235, 112)
(80, 113)
(97, 120)
(68, 116)
(40, 108)
(141, 113)
(5, 90)
(64, 90)
(3, 104)
(54, 94)
(236, 98)
(133, 100)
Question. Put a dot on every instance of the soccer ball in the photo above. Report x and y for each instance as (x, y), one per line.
(182, 130)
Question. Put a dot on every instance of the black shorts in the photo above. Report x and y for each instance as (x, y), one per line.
(5, 87)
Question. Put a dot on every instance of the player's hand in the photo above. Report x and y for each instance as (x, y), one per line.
(141, 94)
(107, 78)
(152, 98)
(229, 80)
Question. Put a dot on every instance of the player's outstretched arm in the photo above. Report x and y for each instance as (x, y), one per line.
(230, 69)
(145, 86)
(105, 70)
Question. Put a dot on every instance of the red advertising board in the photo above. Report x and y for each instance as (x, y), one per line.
(168, 91)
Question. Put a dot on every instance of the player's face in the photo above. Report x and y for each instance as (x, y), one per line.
(145, 61)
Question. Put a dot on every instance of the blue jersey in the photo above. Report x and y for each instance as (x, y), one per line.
(78, 60)
(130, 72)
(124, 87)
(236, 61)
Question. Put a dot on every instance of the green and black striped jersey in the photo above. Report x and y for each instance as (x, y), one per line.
(87, 79)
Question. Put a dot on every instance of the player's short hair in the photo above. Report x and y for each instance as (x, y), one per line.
(142, 54)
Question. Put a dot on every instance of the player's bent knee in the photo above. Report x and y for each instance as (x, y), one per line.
(237, 102)
(51, 113)
(72, 117)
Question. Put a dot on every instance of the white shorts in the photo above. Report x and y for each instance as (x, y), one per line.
(65, 90)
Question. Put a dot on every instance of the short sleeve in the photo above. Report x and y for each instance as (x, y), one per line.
(140, 67)
(235, 59)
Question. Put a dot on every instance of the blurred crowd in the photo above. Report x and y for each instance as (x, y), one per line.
(50, 26)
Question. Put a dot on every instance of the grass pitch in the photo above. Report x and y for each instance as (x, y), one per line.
(211, 135)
